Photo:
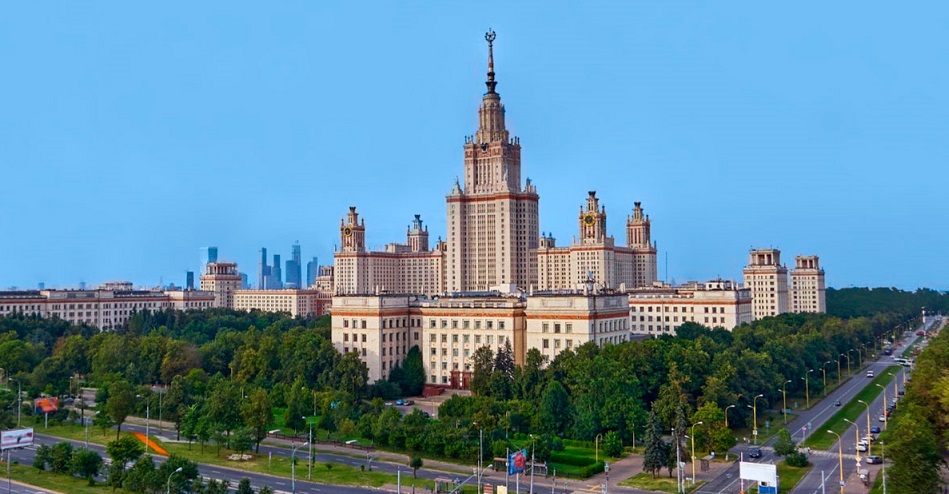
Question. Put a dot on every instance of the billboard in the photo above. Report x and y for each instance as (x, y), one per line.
(766, 474)
(16, 438)
(516, 462)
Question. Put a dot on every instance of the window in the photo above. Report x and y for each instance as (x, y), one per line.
(568, 328)
(545, 327)
(345, 336)
(363, 338)
(556, 327)
(546, 343)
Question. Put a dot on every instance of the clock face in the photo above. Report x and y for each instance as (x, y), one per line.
(589, 219)
(348, 231)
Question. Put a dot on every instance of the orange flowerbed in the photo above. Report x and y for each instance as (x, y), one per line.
(152, 445)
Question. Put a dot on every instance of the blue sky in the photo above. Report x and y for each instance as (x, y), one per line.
(131, 135)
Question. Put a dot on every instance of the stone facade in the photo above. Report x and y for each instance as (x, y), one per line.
(662, 309)
(807, 285)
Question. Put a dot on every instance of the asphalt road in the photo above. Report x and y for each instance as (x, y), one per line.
(826, 462)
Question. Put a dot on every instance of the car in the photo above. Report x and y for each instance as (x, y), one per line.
(875, 429)
(837, 403)
(901, 392)
(408, 402)
(389, 403)
(869, 373)
(874, 460)
(862, 446)
(882, 418)
(400, 402)
(754, 453)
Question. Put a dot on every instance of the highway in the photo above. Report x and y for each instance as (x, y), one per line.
(824, 461)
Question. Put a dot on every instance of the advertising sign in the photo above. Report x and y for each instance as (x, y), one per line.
(517, 462)
(16, 438)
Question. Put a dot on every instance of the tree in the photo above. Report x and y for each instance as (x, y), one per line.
(61, 457)
(612, 444)
(86, 464)
(258, 414)
(265, 490)
(243, 487)
(654, 454)
(783, 444)
(298, 401)
(415, 463)
(414, 372)
(554, 413)
(43, 457)
(481, 372)
(120, 403)
(123, 451)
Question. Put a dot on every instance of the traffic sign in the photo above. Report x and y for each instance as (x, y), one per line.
(754, 432)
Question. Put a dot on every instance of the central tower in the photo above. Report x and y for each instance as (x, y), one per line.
(492, 220)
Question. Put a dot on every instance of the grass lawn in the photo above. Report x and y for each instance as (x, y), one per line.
(278, 465)
(57, 482)
(821, 439)
(662, 483)
(789, 476)
(764, 432)
(877, 487)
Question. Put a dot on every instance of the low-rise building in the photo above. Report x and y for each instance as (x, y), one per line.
(662, 309)
(297, 303)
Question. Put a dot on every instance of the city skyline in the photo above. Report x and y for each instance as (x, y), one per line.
(780, 134)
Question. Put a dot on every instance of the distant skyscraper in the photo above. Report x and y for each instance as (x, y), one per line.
(294, 274)
(312, 271)
(190, 281)
(42, 285)
(208, 255)
(263, 270)
(245, 283)
(276, 274)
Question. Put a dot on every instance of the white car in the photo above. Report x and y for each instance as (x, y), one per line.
(862, 446)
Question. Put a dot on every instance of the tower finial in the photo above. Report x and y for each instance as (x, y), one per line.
(490, 36)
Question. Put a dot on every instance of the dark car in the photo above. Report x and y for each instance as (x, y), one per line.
(875, 429)
(901, 392)
(837, 403)
(754, 453)
(874, 460)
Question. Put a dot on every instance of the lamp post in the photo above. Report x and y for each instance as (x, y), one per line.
(823, 369)
(856, 441)
(481, 453)
(784, 396)
(869, 444)
(678, 463)
(807, 389)
(693, 450)
(859, 357)
(838, 368)
(885, 418)
(596, 447)
(147, 413)
(726, 414)
(754, 413)
(293, 467)
(848, 361)
(840, 458)
(309, 458)
(883, 464)
(172, 474)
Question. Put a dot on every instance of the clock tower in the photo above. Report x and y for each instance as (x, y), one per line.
(352, 232)
(592, 221)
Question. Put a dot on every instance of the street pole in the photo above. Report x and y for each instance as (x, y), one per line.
(726, 414)
(856, 440)
(159, 411)
(754, 410)
(693, 450)
(784, 395)
(807, 389)
(309, 460)
(172, 474)
(838, 368)
(885, 418)
(480, 456)
(883, 463)
(293, 467)
(869, 444)
(823, 369)
(840, 459)
(678, 463)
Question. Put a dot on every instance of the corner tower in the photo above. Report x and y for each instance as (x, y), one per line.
(492, 220)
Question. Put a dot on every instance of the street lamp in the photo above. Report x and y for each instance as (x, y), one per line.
(869, 444)
(596, 447)
(840, 458)
(838, 368)
(293, 466)
(856, 442)
(885, 418)
(823, 369)
(848, 360)
(859, 357)
(309, 459)
(754, 413)
(168, 489)
(693, 450)
(726, 414)
(481, 453)
(807, 389)
(784, 396)
(147, 413)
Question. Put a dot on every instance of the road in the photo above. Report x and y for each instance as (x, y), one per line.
(826, 462)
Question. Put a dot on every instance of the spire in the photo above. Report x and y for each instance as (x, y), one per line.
(491, 83)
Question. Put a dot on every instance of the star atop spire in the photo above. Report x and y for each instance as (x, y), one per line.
(490, 37)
